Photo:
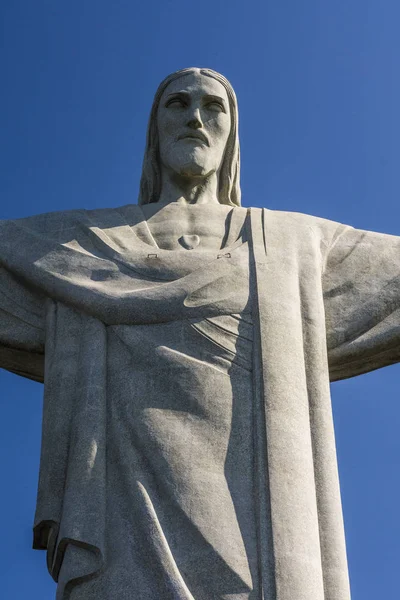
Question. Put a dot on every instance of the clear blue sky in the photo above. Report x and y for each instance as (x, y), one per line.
(319, 95)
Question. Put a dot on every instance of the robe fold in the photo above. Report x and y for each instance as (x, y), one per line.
(296, 302)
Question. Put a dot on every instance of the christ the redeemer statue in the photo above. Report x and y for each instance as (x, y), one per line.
(186, 346)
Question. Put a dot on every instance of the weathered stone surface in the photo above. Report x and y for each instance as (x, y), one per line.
(186, 345)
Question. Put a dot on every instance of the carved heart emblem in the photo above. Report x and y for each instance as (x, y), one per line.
(189, 241)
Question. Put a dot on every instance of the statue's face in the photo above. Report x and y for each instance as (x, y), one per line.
(193, 122)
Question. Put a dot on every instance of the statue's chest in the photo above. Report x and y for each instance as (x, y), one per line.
(188, 231)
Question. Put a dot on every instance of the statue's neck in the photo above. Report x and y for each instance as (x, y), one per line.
(188, 190)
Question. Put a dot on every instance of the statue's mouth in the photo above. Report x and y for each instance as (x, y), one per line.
(194, 135)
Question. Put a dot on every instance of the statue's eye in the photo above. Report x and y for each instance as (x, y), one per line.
(175, 103)
(216, 106)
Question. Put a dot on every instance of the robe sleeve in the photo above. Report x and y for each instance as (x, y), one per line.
(21, 328)
(361, 286)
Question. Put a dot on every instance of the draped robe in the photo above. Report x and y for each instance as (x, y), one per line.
(297, 301)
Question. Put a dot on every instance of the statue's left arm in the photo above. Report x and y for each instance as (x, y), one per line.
(362, 302)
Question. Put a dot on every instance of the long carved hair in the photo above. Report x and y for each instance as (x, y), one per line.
(229, 173)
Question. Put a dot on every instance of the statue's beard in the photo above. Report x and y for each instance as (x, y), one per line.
(193, 170)
(198, 163)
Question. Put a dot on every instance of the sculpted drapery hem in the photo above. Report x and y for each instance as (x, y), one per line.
(316, 282)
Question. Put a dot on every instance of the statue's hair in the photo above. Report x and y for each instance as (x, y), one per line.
(229, 173)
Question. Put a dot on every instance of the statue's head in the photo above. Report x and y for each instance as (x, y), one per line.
(193, 131)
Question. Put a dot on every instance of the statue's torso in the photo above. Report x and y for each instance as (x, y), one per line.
(180, 441)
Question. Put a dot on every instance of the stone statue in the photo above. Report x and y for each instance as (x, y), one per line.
(186, 345)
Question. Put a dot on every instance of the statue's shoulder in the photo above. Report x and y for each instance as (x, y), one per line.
(48, 222)
(301, 223)
(52, 224)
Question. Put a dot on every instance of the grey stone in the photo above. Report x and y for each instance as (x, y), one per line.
(186, 345)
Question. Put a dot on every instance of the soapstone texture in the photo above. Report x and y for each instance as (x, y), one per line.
(186, 345)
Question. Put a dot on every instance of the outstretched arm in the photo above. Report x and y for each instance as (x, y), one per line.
(362, 302)
(21, 328)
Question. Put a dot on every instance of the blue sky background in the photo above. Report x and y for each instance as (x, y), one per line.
(319, 95)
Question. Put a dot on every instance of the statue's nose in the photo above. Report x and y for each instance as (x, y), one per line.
(195, 120)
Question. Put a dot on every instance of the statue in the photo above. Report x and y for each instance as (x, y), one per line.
(186, 345)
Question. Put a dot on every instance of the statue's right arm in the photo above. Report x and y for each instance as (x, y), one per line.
(21, 328)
